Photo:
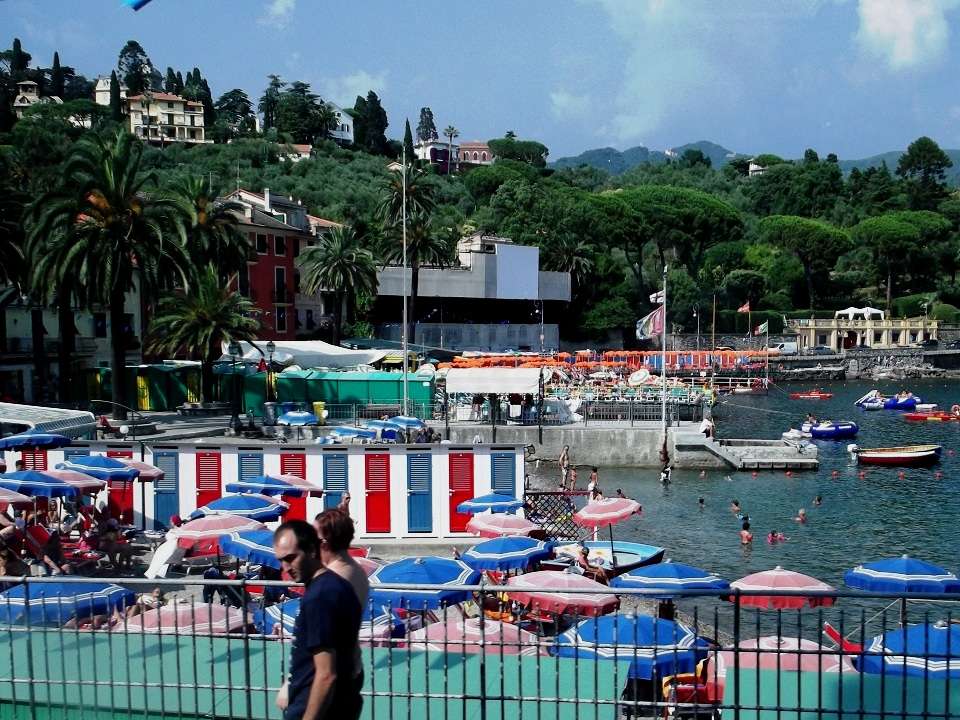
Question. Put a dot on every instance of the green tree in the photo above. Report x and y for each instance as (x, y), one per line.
(116, 108)
(408, 151)
(198, 321)
(693, 157)
(741, 286)
(923, 166)
(326, 119)
(374, 125)
(450, 133)
(235, 108)
(103, 228)
(338, 263)
(19, 61)
(170, 81)
(134, 67)
(213, 235)
(7, 116)
(426, 128)
(270, 101)
(528, 151)
(891, 241)
(816, 244)
(420, 195)
(57, 81)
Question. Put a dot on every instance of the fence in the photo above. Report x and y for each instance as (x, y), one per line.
(498, 653)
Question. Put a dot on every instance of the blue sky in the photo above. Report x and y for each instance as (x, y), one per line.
(855, 77)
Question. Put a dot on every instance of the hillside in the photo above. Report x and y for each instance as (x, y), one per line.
(616, 162)
(892, 157)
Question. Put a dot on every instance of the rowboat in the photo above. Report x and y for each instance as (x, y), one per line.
(905, 455)
(811, 395)
(628, 555)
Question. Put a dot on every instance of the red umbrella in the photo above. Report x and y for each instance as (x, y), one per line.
(367, 564)
(610, 511)
(148, 472)
(500, 524)
(299, 482)
(463, 635)
(83, 482)
(189, 618)
(211, 528)
(779, 579)
(545, 590)
(785, 653)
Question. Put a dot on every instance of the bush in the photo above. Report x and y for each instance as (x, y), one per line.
(910, 305)
(945, 312)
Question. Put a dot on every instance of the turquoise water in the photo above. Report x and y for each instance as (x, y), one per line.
(861, 519)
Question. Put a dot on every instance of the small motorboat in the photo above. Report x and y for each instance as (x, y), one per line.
(905, 455)
(811, 395)
(829, 430)
(935, 416)
(628, 555)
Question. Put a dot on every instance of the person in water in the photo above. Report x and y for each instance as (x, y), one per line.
(818, 501)
(735, 507)
(746, 537)
(620, 494)
(811, 419)
(801, 516)
(776, 536)
(665, 474)
(701, 503)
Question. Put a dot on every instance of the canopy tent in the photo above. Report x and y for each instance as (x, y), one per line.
(500, 381)
(72, 423)
(306, 353)
(865, 313)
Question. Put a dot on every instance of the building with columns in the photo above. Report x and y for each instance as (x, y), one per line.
(862, 327)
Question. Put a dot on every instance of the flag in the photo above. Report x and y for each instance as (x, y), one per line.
(651, 324)
(761, 329)
(657, 297)
(745, 307)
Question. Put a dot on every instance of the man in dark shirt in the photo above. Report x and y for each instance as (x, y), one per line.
(321, 683)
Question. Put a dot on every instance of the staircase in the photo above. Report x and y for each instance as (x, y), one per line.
(748, 454)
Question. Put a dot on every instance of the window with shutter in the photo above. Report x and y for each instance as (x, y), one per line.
(503, 473)
(208, 477)
(334, 479)
(34, 459)
(251, 466)
(293, 464)
(166, 497)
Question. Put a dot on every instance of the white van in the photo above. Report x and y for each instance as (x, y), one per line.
(784, 348)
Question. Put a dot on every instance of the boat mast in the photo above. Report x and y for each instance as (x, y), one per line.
(663, 357)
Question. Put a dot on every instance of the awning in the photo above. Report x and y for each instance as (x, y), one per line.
(493, 380)
(72, 423)
(306, 353)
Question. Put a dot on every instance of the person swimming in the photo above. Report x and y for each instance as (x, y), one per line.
(801, 516)
(746, 537)
(818, 500)
(776, 536)
(701, 503)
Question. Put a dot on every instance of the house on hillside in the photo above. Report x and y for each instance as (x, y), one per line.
(475, 153)
(437, 153)
(28, 95)
(158, 117)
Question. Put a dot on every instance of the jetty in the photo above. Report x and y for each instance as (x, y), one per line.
(748, 454)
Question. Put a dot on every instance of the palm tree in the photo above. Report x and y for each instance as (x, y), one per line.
(199, 321)
(102, 233)
(326, 118)
(338, 263)
(569, 254)
(213, 237)
(420, 195)
(450, 132)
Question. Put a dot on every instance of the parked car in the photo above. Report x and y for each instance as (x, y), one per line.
(784, 348)
(821, 350)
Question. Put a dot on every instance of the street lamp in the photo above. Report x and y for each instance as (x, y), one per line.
(271, 349)
(235, 354)
(696, 314)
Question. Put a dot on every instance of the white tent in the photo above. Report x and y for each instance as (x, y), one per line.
(307, 353)
(494, 380)
(853, 313)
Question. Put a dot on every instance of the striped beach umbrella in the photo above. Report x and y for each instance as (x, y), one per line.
(252, 546)
(100, 466)
(492, 502)
(780, 580)
(497, 525)
(188, 619)
(53, 603)
(548, 590)
(33, 439)
(609, 511)
(670, 578)
(461, 635)
(86, 484)
(926, 650)
(446, 573)
(506, 553)
(265, 485)
(211, 528)
(251, 505)
(902, 574)
(36, 484)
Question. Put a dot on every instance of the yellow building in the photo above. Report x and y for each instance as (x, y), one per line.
(862, 327)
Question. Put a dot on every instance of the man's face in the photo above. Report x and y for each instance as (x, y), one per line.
(300, 565)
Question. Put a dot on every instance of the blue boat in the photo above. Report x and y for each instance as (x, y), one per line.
(873, 400)
(895, 403)
(628, 555)
(829, 430)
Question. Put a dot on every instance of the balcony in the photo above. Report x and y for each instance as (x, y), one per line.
(282, 296)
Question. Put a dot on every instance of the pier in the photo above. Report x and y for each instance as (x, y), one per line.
(747, 454)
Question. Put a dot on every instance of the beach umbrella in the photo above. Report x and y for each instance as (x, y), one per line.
(281, 619)
(265, 485)
(506, 553)
(655, 647)
(211, 528)
(148, 472)
(466, 635)
(251, 505)
(902, 574)
(606, 513)
(297, 418)
(444, 572)
(670, 578)
(926, 649)
(407, 423)
(36, 484)
(492, 502)
(252, 546)
(369, 565)
(496, 525)
(786, 654)
(188, 618)
(382, 425)
(300, 484)
(349, 431)
(34, 439)
(546, 590)
(84, 483)
(100, 466)
(53, 603)
(779, 580)
(9, 497)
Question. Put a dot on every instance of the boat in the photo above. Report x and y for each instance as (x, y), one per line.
(873, 400)
(629, 556)
(829, 430)
(905, 455)
(811, 395)
(935, 416)
(896, 403)
(872, 405)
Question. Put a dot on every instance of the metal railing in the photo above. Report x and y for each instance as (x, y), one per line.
(498, 652)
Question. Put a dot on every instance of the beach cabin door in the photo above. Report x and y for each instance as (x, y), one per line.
(208, 477)
(251, 465)
(461, 488)
(294, 464)
(377, 481)
(503, 477)
(419, 492)
(166, 490)
(120, 499)
(334, 479)
(34, 459)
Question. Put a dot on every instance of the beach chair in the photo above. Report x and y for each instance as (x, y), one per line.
(845, 645)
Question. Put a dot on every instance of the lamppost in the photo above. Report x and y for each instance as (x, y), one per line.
(271, 349)
(696, 314)
(235, 354)
(923, 328)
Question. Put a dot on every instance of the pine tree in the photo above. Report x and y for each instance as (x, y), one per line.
(56, 77)
(135, 67)
(376, 125)
(116, 109)
(408, 143)
(19, 61)
(170, 82)
(179, 90)
(426, 128)
(209, 112)
(360, 122)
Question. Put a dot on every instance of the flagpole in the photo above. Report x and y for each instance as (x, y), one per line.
(406, 327)
(713, 335)
(663, 357)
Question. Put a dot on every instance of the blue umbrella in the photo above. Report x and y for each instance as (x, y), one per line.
(266, 485)
(506, 553)
(654, 646)
(253, 546)
(348, 431)
(902, 574)
(407, 423)
(925, 649)
(670, 577)
(33, 439)
(258, 507)
(382, 425)
(422, 571)
(285, 614)
(53, 603)
(494, 502)
(297, 417)
(37, 484)
(100, 467)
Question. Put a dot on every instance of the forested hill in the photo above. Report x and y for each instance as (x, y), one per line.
(891, 158)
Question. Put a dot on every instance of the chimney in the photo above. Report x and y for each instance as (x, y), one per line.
(266, 199)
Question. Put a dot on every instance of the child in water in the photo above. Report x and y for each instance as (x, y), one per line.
(801, 516)
(776, 536)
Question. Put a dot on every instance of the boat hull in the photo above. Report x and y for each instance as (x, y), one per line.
(930, 416)
(629, 556)
(910, 455)
(842, 430)
(810, 396)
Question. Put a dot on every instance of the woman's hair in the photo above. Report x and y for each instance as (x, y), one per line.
(336, 528)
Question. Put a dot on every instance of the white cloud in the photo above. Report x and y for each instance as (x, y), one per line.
(278, 13)
(566, 105)
(904, 33)
(345, 89)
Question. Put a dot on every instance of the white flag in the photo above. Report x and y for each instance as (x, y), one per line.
(657, 297)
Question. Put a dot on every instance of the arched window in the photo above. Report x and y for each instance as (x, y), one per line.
(466, 155)
(483, 156)
(474, 154)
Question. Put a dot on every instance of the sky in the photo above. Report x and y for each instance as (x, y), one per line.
(854, 77)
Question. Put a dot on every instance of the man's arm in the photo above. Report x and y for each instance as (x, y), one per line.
(324, 678)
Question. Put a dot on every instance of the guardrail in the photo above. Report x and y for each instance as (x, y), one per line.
(497, 654)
